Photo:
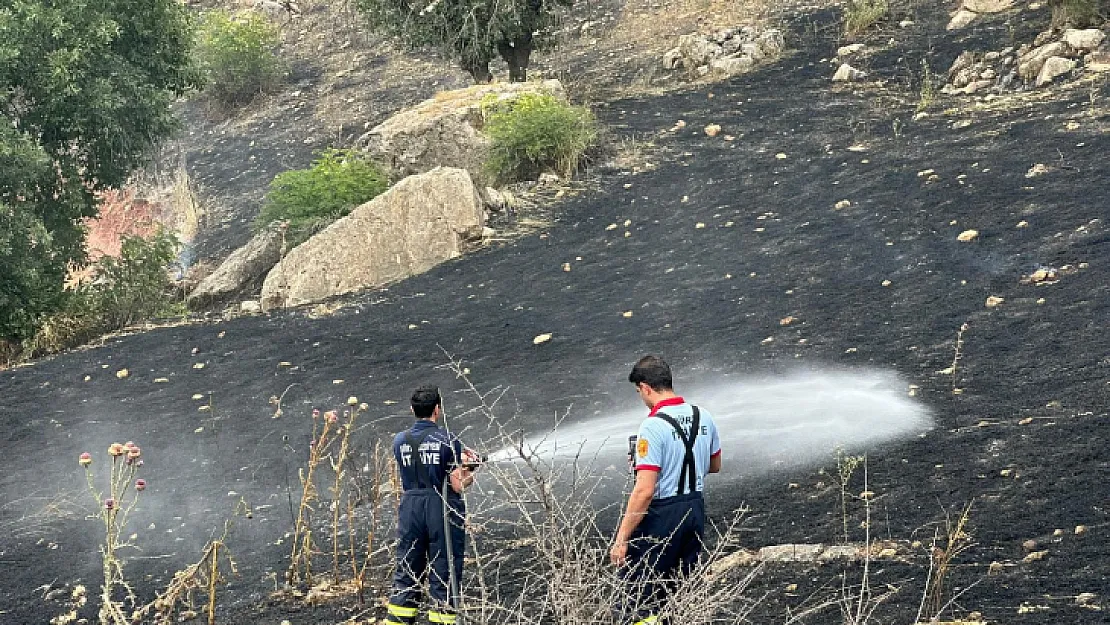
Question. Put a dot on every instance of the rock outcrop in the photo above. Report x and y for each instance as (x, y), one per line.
(1052, 56)
(444, 131)
(240, 273)
(729, 52)
(422, 221)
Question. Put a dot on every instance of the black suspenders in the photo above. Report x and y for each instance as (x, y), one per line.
(423, 478)
(689, 475)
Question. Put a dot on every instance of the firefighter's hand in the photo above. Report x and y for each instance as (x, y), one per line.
(471, 458)
(619, 553)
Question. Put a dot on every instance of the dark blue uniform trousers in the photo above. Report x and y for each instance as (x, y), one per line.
(422, 541)
(663, 550)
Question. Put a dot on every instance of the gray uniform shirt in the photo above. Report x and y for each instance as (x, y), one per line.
(659, 448)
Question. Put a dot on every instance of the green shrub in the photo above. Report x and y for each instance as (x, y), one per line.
(859, 15)
(239, 55)
(1077, 13)
(310, 199)
(133, 287)
(535, 132)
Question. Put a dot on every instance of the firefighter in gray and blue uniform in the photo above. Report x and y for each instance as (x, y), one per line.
(435, 468)
(660, 535)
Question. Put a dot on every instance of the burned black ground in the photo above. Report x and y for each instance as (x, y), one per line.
(725, 239)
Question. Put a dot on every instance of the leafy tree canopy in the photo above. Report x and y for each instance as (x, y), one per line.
(472, 31)
(85, 90)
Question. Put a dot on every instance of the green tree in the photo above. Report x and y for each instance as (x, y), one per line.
(85, 90)
(472, 31)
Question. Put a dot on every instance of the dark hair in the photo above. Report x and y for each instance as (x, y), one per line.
(424, 401)
(653, 371)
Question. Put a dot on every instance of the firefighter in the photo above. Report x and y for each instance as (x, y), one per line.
(435, 468)
(660, 536)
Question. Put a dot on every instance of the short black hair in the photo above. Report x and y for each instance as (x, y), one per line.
(653, 371)
(424, 401)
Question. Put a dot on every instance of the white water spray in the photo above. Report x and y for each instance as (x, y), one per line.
(765, 423)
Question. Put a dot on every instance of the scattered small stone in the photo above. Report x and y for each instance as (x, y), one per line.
(1085, 598)
(1086, 39)
(1037, 170)
(988, 6)
(541, 339)
(1080, 530)
(847, 73)
(915, 390)
(610, 227)
(962, 19)
(1029, 545)
(713, 130)
(699, 225)
(627, 234)
(886, 283)
(566, 266)
(781, 156)
(1053, 68)
(1026, 421)
(122, 374)
(995, 568)
(842, 204)
(250, 307)
(794, 587)
(1035, 556)
(198, 366)
(994, 301)
(1023, 224)
(88, 378)
(767, 341)
(888, 553)
(967, 235)
(197, 396)
(785, 321)
(626, 314)
(926, 172)
(198, 430)
(1057, 532)
(1006, 472)
(849, 50)
(161, 380)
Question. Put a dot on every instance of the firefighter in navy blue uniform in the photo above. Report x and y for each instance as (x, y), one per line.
(435, 468)
(660, 535)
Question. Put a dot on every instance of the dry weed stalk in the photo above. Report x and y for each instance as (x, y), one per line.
(956, 355)
(177, 602)
(300, 560)
(858, 605)
(114, 511)
(348, 488)
(381, 465)
(956, 541)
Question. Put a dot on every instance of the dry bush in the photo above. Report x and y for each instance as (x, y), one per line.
(178, 602)
(331, 490)
(539, 548)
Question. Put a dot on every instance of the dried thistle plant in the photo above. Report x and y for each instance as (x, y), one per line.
(114, 509)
